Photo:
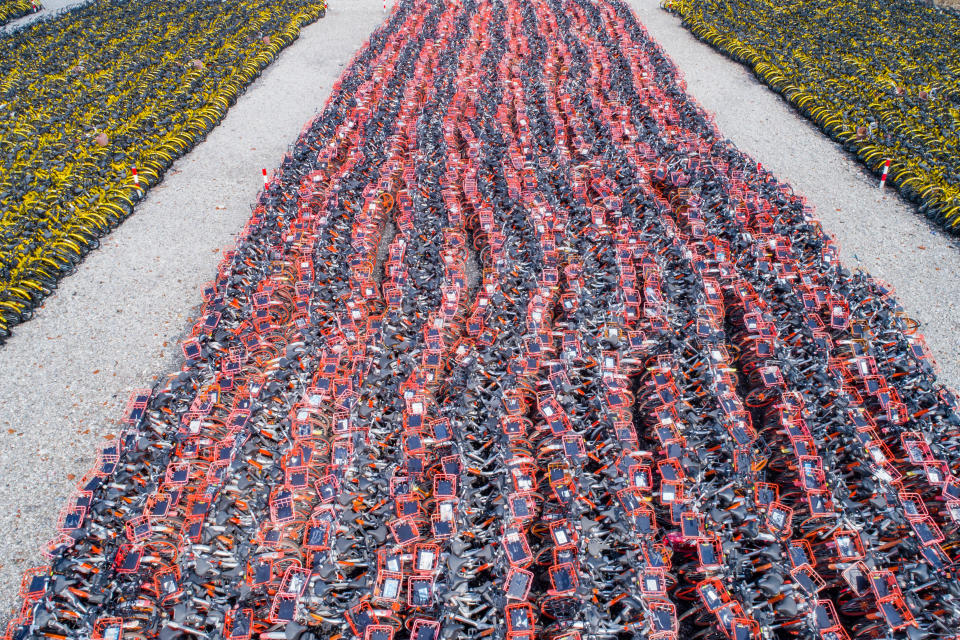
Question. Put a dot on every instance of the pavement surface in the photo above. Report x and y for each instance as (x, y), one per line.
(879, 232)
(116, 325)
(50, 7)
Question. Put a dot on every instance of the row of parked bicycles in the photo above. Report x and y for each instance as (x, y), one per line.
(97, 102)
(516, 345)
(13, 9)
(881, 79)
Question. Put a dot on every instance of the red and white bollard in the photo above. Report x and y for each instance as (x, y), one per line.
(136, 178)
(266, 181)
(886, 170)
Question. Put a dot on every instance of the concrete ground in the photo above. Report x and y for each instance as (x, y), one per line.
(115, 325)
(50, 7)
(877, 231)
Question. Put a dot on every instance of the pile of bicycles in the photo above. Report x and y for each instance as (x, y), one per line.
(879, 78)
(515, 345)
(96, 104)
(13, 9)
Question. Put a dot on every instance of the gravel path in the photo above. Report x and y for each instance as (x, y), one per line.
(116, 325)
(49, 7)
(880, 233)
